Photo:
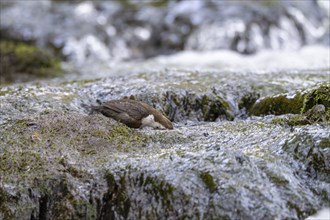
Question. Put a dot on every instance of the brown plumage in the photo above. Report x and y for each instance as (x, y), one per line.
(134, 114)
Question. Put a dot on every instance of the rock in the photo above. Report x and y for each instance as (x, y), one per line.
(22, 62)
(300, 102)
(57, 161)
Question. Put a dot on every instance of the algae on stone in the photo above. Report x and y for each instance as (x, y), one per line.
(278, 105)
(300, 102)
(314, 155)
(202, 107)
(319, 95)
(23, 62)
(38, 153)
(209, 181)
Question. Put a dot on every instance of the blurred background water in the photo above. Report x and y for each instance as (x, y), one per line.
(90, 33)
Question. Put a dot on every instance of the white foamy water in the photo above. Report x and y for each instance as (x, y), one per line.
(310, 57)
(323, 214)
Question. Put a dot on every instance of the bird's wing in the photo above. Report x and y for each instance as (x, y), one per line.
(128, 120)
(132, 108)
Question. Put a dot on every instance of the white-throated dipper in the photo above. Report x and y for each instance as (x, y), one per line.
(134, 114)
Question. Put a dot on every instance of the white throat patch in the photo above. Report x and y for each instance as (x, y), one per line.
(150, 122)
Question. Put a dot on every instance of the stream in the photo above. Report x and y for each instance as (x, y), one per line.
(238, 79)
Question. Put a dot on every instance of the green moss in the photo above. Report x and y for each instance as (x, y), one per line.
(297, 120)
(280, 121)
(68, 98)
(159, 189)
(209, 107)
(21, 62)
(327, 115)
(82, 82)
(121, 136)
(20, 158)
(144, 76)
(248, 100)
(300, 103)
(278, 105)
(58, 201)
(208, 181)
(214, 107)
(324, 144)
(313, 154)
(317, 114)
(6, 201)
(294, 120)
(116, 198)
(320, 95)
(158, 3)
(5, 92)
(31, 147)
(84, 209)
(267, 3)
(21, 162)
(279, 181)
(35, 155)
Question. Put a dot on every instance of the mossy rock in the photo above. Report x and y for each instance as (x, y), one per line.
(314, 155)
(22, 62)
(320, 95)
(247, 101)
(214, 107)
(25, 155)
(278, 105)
(203, 107)
(317, 114)
(301, 102)
(36, 158)
(6, 200)
(116, 199)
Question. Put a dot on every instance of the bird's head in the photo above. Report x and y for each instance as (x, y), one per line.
(162, 122)
(157, 119)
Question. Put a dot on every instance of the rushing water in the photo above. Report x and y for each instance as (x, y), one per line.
(110, 31)
(188, 59)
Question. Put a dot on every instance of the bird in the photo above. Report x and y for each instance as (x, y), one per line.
(133, 113)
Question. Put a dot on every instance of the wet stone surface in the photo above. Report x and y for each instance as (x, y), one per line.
(218, 162)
